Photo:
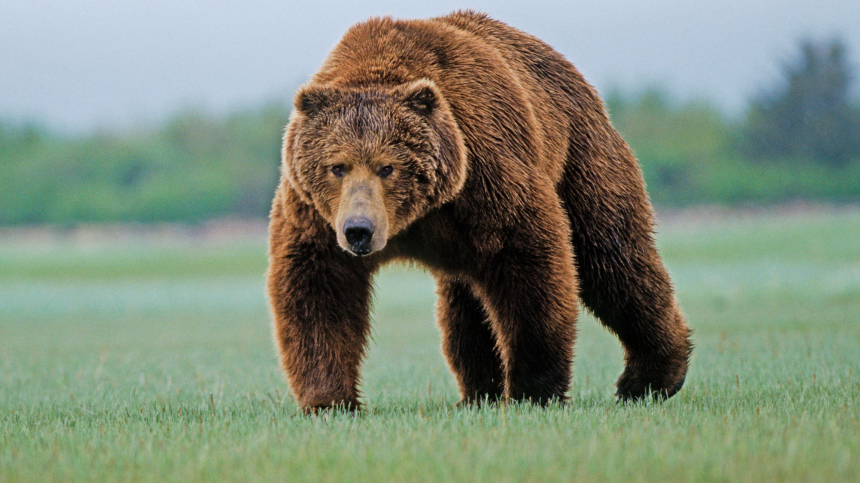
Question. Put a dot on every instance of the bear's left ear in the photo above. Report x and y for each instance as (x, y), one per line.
(422, 96)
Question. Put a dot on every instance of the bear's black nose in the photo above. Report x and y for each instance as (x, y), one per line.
(358, 232)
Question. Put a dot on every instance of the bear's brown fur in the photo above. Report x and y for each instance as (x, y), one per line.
(481, 153)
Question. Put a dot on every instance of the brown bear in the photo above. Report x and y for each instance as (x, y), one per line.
(479, 152)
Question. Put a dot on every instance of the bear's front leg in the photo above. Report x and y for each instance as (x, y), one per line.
(468, 342)
(530, 293)
(320, 297)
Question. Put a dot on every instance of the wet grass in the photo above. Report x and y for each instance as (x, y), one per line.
(125, 361)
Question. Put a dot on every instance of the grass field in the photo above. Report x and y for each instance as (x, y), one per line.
(152, 360)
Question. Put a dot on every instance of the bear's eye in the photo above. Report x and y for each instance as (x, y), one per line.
(385, 171)
(337, 170)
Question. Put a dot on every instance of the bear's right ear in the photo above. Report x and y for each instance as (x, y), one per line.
(310, 100)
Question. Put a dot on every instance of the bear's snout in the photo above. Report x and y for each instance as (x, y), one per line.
(359, 233)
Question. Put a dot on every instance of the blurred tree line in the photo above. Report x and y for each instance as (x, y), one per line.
(195, 166)
(798, 140)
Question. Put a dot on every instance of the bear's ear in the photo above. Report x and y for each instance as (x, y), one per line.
(310, 100)
(422, 96)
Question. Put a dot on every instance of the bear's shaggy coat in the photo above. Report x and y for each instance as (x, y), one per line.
(479, 152)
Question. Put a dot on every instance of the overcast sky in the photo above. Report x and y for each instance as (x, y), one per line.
(78, 65)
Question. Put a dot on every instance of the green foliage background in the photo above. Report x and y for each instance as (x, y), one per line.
(195, 166)
(799, 140)
(691, 153)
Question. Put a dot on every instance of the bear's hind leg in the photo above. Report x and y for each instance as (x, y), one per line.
(622, 278)
(468, 343)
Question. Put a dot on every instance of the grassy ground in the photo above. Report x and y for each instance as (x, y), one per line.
(153, 361)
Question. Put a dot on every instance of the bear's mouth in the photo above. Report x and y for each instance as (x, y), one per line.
(360, 251)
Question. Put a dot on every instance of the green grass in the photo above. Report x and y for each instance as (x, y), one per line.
(154, 361)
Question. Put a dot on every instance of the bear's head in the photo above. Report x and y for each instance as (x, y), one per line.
(373, 159)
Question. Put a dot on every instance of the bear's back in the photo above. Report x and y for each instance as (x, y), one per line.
(563, 103)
